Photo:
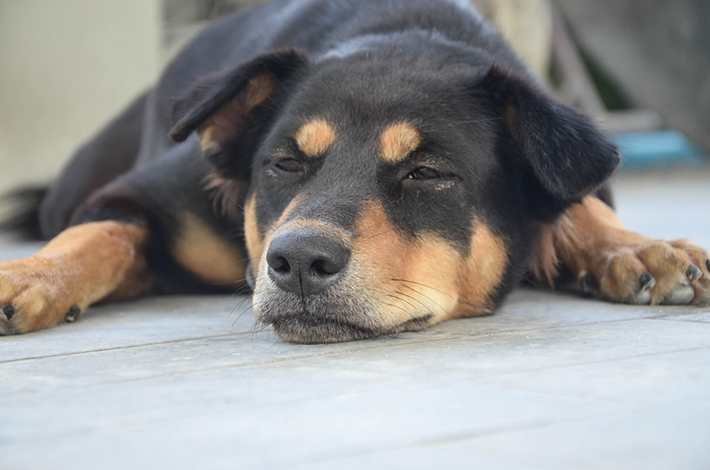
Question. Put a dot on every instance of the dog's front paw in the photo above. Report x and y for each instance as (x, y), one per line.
(34, 295)
(652, 272)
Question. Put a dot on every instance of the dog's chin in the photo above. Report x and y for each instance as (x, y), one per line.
(309, 330)
(323, 319)
(333, 317)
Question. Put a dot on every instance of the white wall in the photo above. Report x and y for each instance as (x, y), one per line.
(66, 67)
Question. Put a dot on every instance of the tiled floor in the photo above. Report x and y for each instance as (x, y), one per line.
(550, 381)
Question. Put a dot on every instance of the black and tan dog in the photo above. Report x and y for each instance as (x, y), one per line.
(368, 166)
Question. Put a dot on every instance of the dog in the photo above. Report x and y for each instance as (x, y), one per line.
(366, 167)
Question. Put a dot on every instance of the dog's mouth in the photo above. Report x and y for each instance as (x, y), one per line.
(334, 317)
(308, 329)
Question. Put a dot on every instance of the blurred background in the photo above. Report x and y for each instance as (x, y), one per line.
(640, 67)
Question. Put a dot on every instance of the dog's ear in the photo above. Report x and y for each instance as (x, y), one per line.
(231, 110)
(561, 149)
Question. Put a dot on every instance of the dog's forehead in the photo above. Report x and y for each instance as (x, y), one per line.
(362, 126)
(370, 109)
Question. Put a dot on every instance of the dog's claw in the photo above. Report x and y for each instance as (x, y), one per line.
(8, 310)
(707, 263)
(647, 281)
(586, 283)
(73, 314)
(693, 273)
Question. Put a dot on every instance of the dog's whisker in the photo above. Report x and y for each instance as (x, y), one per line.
(394, 296)
(446, 314)
(436, 290)
(419, 301)
(237, 307)
(381, 233)
(401, 308)
(251, 258)
(363, 230)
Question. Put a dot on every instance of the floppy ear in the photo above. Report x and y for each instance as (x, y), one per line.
(562, 150)
(231, 111)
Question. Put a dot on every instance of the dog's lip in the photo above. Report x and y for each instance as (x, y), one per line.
(330, 330)
(310, 322)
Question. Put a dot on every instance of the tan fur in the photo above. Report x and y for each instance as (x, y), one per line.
(221, 126)
(315, 138)
(407, 278)
(590, 239)
(256, 242)
(225, 194)
(82, 265)
(254, 239)
(204, 252)
(286, 214)
(398, 141)
(411, 278)
(544, 262)
(482, 273)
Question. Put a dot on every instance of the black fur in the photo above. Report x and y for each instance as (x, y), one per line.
(501, 151)
(24, 205)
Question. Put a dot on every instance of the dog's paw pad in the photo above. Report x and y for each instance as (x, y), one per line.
(682, 295)
(641, 298)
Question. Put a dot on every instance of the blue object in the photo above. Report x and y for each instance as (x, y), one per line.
(655, 149)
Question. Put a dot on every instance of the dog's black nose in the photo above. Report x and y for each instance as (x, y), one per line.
(306, 264)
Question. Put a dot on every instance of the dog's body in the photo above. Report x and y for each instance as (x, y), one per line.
(370, 166)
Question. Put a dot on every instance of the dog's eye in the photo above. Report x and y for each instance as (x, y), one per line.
(290, 165)
(424, 173)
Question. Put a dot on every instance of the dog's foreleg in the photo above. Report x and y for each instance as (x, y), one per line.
(590, 243)
(81, 266)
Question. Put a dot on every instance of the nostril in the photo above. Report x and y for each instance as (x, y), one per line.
(325, 268)
(318, 269)
(280, 265)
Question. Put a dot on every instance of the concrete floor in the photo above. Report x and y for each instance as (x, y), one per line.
(550, 381)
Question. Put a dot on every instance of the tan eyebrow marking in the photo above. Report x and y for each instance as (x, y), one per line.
(315, 137)
(398, 141)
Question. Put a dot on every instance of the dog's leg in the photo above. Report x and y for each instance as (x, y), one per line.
(590, 244)
(82, 265)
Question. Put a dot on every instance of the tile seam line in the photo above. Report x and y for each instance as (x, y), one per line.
(283, 361)
(453, 335)
(563, 366)
(696, 322)
(119, 348)
(466, 436)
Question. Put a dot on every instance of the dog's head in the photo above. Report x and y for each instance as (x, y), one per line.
(391, 185)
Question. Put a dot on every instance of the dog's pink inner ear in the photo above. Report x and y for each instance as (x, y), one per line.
(229, 121)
